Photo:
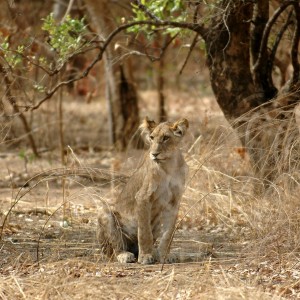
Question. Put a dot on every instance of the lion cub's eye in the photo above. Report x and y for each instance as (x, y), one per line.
(151, 137)
(166, 138)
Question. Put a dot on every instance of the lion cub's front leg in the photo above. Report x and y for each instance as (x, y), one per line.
(145, 236)
(169, 217)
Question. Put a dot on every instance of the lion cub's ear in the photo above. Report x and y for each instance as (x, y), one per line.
(147, 127)
(180, 127)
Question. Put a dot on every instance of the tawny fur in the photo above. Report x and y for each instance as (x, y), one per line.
(147, 208)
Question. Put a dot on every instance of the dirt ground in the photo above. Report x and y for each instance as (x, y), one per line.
(229, 246)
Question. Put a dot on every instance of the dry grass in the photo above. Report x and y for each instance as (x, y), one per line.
(76, 279)
(234, 243)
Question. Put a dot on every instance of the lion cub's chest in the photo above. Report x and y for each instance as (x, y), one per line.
(168, 190)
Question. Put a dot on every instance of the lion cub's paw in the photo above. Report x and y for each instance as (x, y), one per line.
(169, 259)
(146, 259)
(126, 257)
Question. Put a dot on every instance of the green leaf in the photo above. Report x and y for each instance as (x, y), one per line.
(164, 9)
(65, 38)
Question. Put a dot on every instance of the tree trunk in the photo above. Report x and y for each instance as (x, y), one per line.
(160, 88)
(120, 92)
(267, 129)
(130, 112)
(228, 60)
(162, 114)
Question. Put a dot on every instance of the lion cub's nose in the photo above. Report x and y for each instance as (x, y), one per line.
(154, 155)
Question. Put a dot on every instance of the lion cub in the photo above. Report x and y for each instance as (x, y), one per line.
(147, 207)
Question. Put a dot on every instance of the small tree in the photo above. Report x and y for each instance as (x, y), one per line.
(33, 73)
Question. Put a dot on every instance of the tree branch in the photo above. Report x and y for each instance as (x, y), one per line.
(261, 17)
(263, 46)
(167, 42)
(195, 16)
(16, 110)
(277, 41)
(194, 42)
(194, 27)
(71, 2)
(147, 12)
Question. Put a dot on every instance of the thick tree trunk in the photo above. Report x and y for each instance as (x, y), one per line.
(229, 63)
(120, 92)
(266, 129)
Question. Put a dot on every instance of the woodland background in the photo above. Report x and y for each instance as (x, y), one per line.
(75, 84)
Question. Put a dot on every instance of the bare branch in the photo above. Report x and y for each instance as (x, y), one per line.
(71, 2)
(263, 46)
(16, 110)
(277, 41)
(195, 16)
(167, 43)
(194, 42)
(147, 12)
(261, 16)
(194, 27)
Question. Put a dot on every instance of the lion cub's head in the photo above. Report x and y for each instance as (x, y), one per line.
(163, 138)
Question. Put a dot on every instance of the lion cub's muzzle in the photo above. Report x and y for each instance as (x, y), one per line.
(155, 156)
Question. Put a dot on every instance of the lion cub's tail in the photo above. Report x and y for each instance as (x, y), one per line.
(109, 232)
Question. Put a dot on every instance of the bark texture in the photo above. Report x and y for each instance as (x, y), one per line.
(242, 83)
